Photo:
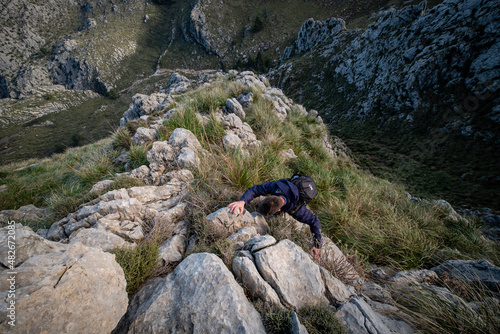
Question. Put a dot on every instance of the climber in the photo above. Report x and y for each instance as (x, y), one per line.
(287, 195)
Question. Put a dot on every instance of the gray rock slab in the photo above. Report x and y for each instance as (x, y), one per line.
(200, 296)
(243, 235)
(336, 291)
(245, 272)
(292, 274)
(105, 240)
(173, 249)
(358, 318)
(24, 213)
(80, 290)
(224, 220)
(259, 242)
(297, 327)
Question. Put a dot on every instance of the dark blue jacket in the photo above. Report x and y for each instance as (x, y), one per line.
(288, 190)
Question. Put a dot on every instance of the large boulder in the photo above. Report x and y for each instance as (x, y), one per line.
(80, 290)
(200, 296)
(292, 274)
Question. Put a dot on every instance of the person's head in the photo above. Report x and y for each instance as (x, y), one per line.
(270, 205)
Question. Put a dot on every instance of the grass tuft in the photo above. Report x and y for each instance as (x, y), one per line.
(138, 263)
(138, 156)
(320, 319)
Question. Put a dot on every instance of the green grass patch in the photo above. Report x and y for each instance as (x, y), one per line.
(138, 156)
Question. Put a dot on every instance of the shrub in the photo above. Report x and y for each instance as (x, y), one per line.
(66, 199)
(277, 321)
(138, 263)
(320, 319)
(77, 139)
(258, 24)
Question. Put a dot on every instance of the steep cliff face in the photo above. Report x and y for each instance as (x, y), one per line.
(423, 80)
(82, 44)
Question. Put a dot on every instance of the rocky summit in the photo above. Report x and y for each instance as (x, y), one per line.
(130, 232)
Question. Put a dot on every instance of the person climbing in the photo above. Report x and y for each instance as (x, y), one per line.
(287, 195)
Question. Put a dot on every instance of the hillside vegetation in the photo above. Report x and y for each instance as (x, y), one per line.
(371, 219)
(367, 214)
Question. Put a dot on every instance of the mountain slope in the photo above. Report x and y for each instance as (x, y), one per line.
(422, 83)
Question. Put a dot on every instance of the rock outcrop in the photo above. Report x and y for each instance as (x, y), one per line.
(283, 266)
(471, 272)
(200, 296)
(56, 283)
(125, 212)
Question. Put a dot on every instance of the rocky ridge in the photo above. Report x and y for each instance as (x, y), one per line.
(201, 294)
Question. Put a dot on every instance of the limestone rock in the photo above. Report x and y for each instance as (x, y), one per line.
(181, 138)
(288, 154)
(99, 238)
(224, 220)
(336, 291)
(28, 244)
(414, 277)
(161, 153)
(243, 235)
(173, 249)
(233, 106)
(52, 290)
(246, 100)
(245, 253)
(259, 242)
(200, 296)
(283, 266)
(102, 186)
(143, 136)
(297, 327)
(313, 33)
(245, 271)
(145, 105)
(376, 292)
(123, 211)
(141, 173)
(358, 318)
(187, 158)
(231, 141)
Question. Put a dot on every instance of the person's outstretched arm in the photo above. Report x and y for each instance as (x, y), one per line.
(256, 191)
